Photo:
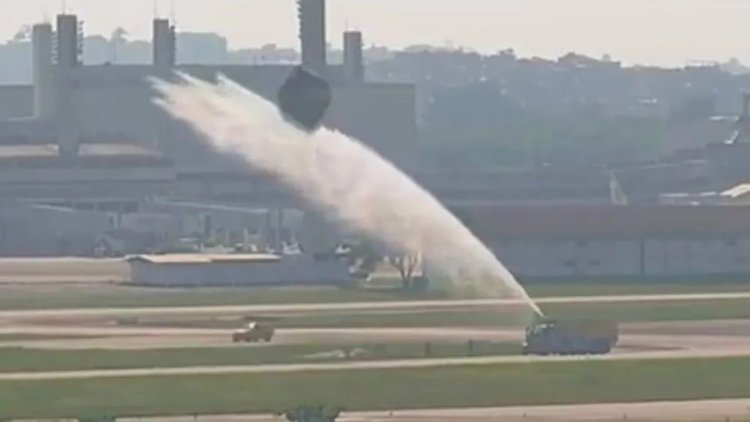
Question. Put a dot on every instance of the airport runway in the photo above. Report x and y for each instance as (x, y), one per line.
(734, 335)
(674, 411)
(114, 338)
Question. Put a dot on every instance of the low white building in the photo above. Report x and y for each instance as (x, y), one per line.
(202, 270)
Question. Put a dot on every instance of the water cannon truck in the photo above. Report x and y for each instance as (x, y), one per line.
(574, 337)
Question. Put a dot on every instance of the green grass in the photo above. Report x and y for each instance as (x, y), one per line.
(41, 360)
(15, 298)
(464, 386)
(105, 296)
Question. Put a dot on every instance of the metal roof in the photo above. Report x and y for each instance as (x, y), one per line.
(245, 258)
(204, 258)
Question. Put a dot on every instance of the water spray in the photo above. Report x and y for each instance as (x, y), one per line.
(339, 175)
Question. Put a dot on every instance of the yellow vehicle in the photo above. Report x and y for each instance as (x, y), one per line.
(254, 332)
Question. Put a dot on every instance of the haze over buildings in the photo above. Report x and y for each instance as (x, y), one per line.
(89, 164)
(666, 32)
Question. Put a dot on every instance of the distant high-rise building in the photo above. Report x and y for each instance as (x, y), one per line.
(353, 59)
(312, 32)
(69, 50)
(68, 46)
(164, 44)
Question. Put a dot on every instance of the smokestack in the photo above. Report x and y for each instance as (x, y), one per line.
(41, 39)
(312, 32)
(353, 60)
(68, 43)
(164, 44)
(68, 53)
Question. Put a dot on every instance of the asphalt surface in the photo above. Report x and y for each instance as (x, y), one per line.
(128, 338)
(703, 410)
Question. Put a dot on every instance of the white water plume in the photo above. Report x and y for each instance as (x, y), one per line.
(348, 180)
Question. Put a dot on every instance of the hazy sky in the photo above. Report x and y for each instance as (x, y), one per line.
(643, 31)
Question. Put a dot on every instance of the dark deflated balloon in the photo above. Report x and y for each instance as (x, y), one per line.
(304, 99)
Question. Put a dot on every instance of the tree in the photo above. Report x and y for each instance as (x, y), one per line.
(406, 263)
(312, 414)
(22, 35)
(479, 105)
(117, 39)
(366, 255)
(695, 107)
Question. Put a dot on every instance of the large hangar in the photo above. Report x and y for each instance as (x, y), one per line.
(585, 241)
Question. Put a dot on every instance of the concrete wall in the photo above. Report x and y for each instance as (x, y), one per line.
(627, 258)
(16, 101)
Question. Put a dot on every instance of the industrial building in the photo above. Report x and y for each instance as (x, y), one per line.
(86, 143)
(72, 104)
(592, 241)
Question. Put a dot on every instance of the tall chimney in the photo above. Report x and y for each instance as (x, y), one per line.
(68, 48)
(164, 44)
(44, 102)
(353, 60)
(312, 32)
(68, 53)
